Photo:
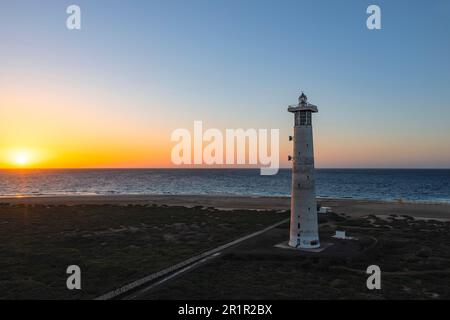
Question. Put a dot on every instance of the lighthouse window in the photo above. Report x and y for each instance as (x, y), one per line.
(308, 118)
(303, 118)
(297, 118)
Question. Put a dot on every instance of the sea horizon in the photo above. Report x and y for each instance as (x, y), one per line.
(424, 185)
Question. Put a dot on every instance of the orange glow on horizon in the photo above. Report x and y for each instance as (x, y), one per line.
(44, 129)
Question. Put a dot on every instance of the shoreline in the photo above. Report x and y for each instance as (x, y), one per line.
(125, 196)
(52, 197)
(350, 207)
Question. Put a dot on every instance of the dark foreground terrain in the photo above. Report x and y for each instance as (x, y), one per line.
(113, 245)
(414, 257)
(116, 244)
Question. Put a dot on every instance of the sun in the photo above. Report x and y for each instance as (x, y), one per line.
(22, 159)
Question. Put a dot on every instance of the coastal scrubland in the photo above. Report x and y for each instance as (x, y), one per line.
(125, 240)
(113, 245)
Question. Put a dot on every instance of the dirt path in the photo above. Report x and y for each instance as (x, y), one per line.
(128, 291)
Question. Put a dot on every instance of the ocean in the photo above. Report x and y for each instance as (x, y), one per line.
(378, 184)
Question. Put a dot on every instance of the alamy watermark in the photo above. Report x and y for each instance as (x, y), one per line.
(235, 147)
(73, 282)
(374, 20)
(73, 21)
(374, 280)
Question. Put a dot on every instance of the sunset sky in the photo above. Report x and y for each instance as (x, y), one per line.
(110, 94)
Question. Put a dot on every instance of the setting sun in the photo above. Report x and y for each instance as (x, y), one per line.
(21, 159)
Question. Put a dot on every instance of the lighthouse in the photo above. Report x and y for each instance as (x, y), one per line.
(304, 233)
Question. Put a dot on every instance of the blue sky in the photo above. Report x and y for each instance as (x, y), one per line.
(164, 64)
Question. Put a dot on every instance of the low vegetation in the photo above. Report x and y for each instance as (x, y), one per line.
(113, 245)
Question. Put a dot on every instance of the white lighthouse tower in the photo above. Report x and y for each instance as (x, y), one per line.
(304, 231)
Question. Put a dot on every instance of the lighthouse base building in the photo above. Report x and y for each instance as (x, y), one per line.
(304, 230)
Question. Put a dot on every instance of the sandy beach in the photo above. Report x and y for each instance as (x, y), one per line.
(350, 207)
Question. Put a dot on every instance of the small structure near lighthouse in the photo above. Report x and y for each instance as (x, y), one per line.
(304, 233)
